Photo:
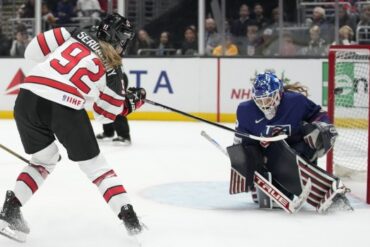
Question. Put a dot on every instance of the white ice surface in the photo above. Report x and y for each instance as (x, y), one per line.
(178, 184)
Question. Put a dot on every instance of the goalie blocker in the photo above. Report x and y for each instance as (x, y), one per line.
(294, 180)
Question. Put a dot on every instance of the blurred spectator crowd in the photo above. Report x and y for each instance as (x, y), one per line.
(255, 32)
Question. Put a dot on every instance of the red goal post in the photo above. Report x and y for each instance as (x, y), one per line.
(348, 108)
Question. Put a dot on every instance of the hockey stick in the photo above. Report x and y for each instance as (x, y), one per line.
(213, 141)
(290, 206)
(14, 153)
(258, 138)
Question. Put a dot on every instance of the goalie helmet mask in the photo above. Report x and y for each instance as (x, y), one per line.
(116, 30)
(266, 92)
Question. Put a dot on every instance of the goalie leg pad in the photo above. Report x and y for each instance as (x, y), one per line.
(245, 160)
(281, 162)
(254, 195)
(326, 189)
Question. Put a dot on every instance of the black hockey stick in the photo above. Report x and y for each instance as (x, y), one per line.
(258, 138)
(14, 153)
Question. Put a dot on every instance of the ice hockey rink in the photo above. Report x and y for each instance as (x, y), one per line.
(178, 184)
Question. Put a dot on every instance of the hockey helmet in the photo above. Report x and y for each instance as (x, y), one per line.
(266, 92)
(116, 30)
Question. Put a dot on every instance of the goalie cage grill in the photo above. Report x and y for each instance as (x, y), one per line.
(348, 108)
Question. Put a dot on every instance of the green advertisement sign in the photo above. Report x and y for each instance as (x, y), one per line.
(344, 78)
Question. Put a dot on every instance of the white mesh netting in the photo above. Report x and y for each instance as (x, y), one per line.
(351, 111)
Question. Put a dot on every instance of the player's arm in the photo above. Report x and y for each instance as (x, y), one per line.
(110, 99)
(114, 99)
(134, 97)
(241, 125)
(318, 132)
(45, 43)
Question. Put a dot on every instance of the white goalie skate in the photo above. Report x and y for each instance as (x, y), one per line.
(335, 199)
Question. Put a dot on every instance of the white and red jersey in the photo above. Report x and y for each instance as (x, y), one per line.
(71, 74)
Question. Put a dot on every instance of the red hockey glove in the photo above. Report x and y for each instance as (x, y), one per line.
(134, 100)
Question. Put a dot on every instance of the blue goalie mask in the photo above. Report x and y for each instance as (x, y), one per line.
(266, 92)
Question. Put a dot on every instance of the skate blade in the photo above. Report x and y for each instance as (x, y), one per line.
(138, 237)
(15, 235)
(119, 143)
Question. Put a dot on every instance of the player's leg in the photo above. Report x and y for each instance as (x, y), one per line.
(328, 191)
(292, 172)
(108, 132)
(281, 162)
(250, 170)
(74, 131)
(123, 130)
(245, 160)
(31, 114)
(112, 190)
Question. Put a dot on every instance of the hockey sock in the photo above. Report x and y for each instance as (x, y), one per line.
(107, 181)
(29, 181)
(32, 177)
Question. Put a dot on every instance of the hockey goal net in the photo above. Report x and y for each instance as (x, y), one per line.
(348, 108)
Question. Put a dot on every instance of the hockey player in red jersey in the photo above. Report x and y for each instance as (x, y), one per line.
(74, 66)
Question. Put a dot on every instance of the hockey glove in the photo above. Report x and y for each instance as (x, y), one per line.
(320, 136)
(134, 100)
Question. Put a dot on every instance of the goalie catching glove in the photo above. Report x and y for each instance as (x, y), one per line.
(134, 100)
(319, 136)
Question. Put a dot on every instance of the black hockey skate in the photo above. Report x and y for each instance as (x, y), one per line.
(12, 224)
(103, 137)
(130, 220)
(125, 141)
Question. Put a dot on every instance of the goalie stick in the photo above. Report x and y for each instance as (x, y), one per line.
(257, 138)
(214, 142)
(290, 206)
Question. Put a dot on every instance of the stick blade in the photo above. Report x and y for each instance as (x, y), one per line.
(269, 139)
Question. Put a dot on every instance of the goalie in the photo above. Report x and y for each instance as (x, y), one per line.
(285, 165)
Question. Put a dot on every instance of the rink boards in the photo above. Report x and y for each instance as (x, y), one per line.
(210, 88)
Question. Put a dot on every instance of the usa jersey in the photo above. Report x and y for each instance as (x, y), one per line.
(69, 73)
(294, 108)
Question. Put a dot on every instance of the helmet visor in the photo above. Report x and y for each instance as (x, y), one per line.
(268, 103)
